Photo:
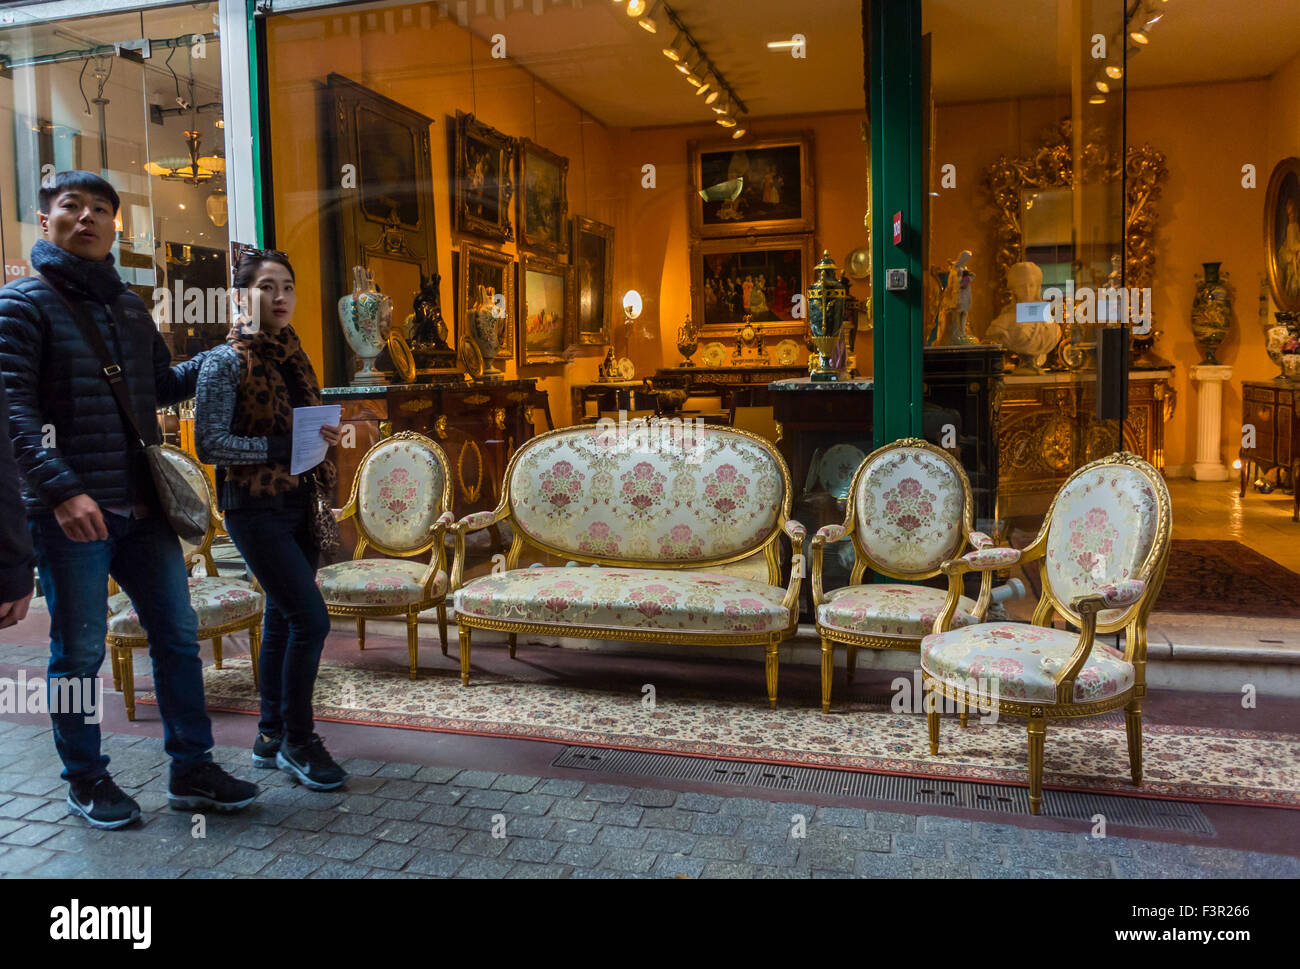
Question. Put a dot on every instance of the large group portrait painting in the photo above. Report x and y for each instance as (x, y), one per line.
(761, 285)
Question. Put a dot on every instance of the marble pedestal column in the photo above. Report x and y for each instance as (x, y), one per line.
(1209, 421)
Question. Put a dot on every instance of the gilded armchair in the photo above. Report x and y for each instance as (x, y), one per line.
(1105, 547)
(401, 501)
(909, 509)
(223, 605)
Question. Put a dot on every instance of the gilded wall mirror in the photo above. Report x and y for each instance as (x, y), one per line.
(1070, 223)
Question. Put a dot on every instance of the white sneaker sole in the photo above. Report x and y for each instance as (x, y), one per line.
(299, 775)
(77, 809)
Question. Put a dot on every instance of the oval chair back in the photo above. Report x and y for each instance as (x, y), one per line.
(400, 489)
(1110, 522)
(910, 509)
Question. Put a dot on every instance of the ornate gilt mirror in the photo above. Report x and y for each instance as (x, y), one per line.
(1067, 222)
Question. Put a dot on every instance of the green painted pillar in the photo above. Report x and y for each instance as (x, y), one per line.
(894, 81)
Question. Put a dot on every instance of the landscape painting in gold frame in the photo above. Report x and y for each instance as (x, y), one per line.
(545, 312)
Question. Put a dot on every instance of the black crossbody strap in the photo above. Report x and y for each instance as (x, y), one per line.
(108, 368)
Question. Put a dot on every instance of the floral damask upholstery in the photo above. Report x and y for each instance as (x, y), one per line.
(888, 610)
(710, 495)
(217, 601)
(658, 599)
(992, 556)
(1023, 659)
(908, 510)
(377, 582)
(1101, 531)
(399, 493)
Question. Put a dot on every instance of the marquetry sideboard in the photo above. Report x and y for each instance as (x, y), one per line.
(1048, 427)
(478, 425)
(1272, 409)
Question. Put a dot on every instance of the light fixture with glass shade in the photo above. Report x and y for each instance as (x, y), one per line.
(635, 8)
(674, 51)
(724, 108)
(1114, 72)
(218, 206)
(196, 169)
(727, 122)
(648, 21)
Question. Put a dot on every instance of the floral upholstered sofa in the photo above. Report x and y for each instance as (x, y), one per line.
(674, 536)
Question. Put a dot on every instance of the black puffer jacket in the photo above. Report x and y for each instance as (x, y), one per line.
(54, 383)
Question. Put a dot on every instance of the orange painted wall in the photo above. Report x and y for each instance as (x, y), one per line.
(1207, 132)
(435, 67)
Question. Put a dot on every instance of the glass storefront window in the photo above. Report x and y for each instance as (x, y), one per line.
(82, 94)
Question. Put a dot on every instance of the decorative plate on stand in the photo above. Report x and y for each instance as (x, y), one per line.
(838, 467)
(403, 360)
(714, 355)
(787, 352)
(626, 369)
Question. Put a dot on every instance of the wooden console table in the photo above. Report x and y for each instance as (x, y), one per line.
(1272, 407)
(724, 381)
(478, 425)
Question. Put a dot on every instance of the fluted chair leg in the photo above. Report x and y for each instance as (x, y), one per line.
(117, 671)
(464, 653)
(127, 664)
(442, 626)
(216, 651)
(932, 715)
(361, 632)
(413, 642)
(771, 665)
(512, 641)
(828, 667)
(1037, 733)
(255, 651)
(1133, 724)
(964, 710)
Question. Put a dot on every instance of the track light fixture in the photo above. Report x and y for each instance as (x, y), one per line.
(674, 50)
(686, 54)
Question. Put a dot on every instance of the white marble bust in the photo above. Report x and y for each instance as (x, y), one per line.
(1032, 342)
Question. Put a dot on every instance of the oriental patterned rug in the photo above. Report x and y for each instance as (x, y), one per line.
(1227, 578)
(1192, 763)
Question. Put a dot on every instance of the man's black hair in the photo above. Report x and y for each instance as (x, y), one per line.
(55, 185)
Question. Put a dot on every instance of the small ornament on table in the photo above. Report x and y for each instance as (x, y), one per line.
(688, 341)
(608, 367)
(949, 327)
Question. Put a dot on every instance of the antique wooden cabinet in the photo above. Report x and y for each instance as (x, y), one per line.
(1047, 427)
(478, 425)
(1272, 408)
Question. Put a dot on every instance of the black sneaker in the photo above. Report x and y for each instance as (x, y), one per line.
(311, 765)
(264, 750)
(102, 803)
(205, 785)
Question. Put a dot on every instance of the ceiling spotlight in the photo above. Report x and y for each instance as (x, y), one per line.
(635, 8)
(1097, 99)
(648, 21)
(738, 133)
(727, 122)
(1114, 72)
(693, 81)
(724, 108)
(685, 65)
(704, 86)
(1139, 37)
(1103, 87)
(674, 50)
(712, 96)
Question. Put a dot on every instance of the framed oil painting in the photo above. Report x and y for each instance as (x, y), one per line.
(483, 276)
(758, 278)
(764, 186)
(1282, 234)
(545, 288)
(484, 180)
(593, 264)
(543, 202)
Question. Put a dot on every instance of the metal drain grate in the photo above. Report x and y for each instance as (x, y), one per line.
(1138, 812)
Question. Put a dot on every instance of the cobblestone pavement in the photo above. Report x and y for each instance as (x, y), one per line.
(406, 821)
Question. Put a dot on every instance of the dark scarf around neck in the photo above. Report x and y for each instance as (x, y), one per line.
(83, 278)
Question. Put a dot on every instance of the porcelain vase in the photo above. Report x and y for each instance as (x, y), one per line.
(366, 316)
(1211, 311)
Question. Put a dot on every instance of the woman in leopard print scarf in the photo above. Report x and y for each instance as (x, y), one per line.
(247, 393)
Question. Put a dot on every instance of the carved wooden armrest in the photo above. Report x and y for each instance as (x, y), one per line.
(823, 536)
(474, 522)
(980, 540)
(796, 533)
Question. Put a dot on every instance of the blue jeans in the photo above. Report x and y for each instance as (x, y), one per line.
(144, 556)
(278, 546)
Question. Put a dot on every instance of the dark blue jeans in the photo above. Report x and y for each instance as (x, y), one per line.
(280, 551)
(144, 556)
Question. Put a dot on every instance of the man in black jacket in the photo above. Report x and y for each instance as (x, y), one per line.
(16, 556)
(91, 502)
